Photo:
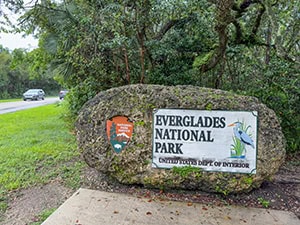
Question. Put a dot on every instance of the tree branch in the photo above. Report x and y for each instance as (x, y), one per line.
(224, 18)
(258, 20)
(240, 37)
(170, 24)
(165, 29)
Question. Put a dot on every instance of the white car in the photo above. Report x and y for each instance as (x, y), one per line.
(34, 94)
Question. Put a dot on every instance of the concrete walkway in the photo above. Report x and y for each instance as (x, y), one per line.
(91, 207)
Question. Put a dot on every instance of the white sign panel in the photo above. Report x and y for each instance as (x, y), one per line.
(223, 141)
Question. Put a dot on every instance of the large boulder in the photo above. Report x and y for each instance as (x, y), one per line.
(134, 164)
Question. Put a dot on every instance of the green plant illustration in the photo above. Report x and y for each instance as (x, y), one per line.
(113, 131)
(116, 144)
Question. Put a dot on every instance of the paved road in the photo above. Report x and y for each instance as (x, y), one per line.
(8, 107)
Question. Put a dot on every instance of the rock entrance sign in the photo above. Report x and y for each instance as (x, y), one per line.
(211, 140)
(184, 137)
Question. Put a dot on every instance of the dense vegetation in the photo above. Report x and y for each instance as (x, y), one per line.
(246, 46)
(16, 75)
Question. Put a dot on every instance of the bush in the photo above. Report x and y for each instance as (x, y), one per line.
(80, 94)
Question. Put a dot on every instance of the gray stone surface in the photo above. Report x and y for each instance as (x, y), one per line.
(133, 166)
(91, 207)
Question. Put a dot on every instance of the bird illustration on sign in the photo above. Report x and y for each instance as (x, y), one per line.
(241, 139)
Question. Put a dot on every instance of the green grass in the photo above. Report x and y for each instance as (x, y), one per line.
(36, 146)
(43, 216)
(11, 100)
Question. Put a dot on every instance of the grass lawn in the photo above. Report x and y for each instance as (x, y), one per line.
(11, 100)
(35, 147)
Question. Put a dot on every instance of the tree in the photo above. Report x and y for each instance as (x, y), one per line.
(249, 46)
(5, 59)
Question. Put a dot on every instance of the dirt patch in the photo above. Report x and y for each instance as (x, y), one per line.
(25, 205)
(281, 193)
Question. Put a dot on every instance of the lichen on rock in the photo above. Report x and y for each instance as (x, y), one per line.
(133, 165)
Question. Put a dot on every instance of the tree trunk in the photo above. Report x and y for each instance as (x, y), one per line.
(142, 50)
(223, 18)
(268, 48)
(126, 65)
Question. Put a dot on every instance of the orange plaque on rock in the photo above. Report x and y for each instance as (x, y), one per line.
(119, 132)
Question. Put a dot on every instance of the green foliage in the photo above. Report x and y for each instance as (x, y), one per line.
(113, 44)
(278, 86)
(222, 191)
(185, 171)
(248, 180)
(16, 74)
(265, 203)
(80, 94)
(275, 84)
(209, 106)
(203, 59)
(90, 46)
(139, 123)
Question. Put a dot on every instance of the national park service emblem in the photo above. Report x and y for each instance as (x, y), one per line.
(119, 131)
